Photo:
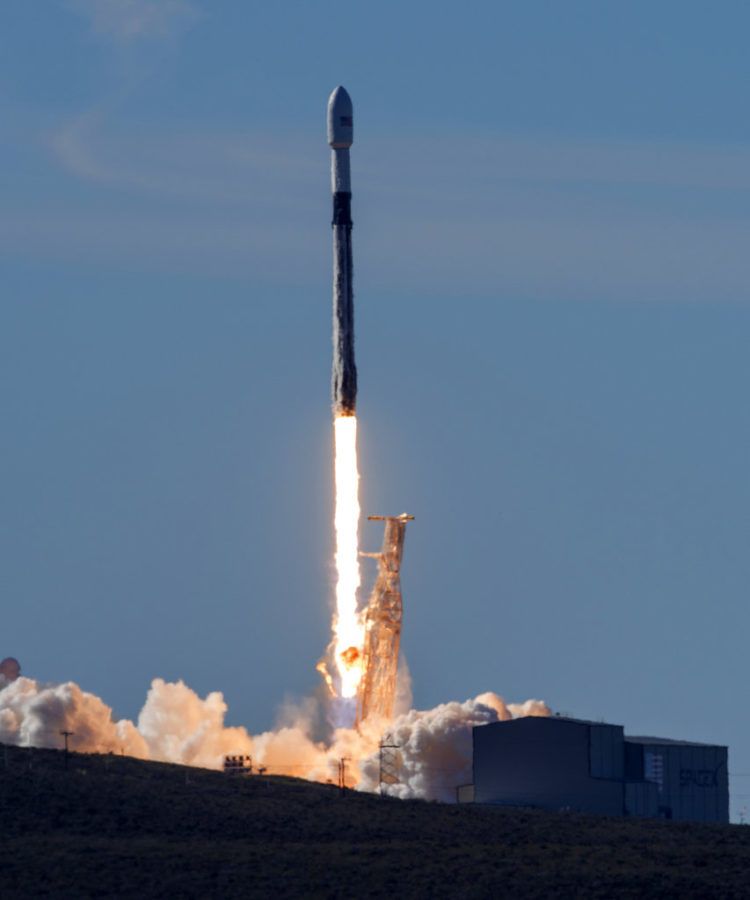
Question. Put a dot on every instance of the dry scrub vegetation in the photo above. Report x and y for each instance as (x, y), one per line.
(115, 826)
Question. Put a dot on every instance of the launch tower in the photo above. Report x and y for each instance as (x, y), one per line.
(377, 689)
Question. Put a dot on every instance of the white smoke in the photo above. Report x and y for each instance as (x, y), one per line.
(176, 725)
(403, 699)
(434, 747)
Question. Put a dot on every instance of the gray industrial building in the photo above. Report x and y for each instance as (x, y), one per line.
(559, 763)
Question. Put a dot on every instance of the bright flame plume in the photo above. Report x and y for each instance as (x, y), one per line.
(348, 630)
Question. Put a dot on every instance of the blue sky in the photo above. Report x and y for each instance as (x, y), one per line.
(551, 232)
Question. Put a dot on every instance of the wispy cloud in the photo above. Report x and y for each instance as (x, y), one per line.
(214, 168)
(129, 20)
(484, 170)
(500, 215)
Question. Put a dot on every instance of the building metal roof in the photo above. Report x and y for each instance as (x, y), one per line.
(556, 718)
(575, 721)
(629, 738)
(638, 739)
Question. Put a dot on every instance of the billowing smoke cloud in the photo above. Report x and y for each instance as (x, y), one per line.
(434, 747)
(33, 715)
(176, 725)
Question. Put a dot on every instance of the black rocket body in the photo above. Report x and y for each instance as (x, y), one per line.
(340, 136)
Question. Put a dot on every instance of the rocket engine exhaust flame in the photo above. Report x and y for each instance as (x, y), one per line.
(347, 624)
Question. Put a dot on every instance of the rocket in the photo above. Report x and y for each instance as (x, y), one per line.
(340, 136)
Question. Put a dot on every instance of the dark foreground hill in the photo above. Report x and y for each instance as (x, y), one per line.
(114, 826)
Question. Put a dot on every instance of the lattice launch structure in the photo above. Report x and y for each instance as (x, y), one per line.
(383, 617)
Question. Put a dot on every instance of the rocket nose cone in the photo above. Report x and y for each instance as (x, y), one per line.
(340, 119)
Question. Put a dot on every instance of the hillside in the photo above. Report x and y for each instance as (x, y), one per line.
(114, 826)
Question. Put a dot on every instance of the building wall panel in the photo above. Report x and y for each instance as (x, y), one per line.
(695, 783)
(542, 763)
(606, 751)
(642, 799)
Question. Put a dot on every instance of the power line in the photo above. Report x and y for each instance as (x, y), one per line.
(342, 774)
(66, 735)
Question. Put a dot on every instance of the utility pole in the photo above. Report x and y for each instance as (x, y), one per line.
(389, 762)
(342, 773)
(66, 735)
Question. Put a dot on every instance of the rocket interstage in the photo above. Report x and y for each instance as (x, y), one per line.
(340, 136)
